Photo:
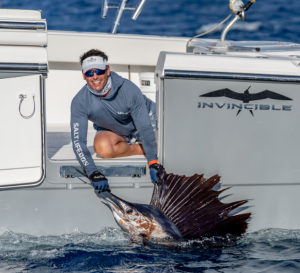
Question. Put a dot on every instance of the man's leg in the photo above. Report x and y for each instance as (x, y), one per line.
(109, 145)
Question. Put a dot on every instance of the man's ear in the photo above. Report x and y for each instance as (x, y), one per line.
(84, 77)
(108, 70)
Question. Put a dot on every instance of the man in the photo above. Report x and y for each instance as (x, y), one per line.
(120, 113)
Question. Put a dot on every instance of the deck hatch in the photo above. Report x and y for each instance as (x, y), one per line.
(108, 171)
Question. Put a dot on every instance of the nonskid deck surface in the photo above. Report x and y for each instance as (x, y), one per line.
(59, 145)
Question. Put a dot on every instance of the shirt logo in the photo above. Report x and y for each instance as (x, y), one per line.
(77, 145)
(122, 113)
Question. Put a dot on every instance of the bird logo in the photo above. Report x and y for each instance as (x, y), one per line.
(245, 97)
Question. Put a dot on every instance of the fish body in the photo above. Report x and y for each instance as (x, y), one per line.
(181, 208)
(141, 220)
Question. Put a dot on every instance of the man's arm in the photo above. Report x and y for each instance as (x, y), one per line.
(140, 115)
(79, 126)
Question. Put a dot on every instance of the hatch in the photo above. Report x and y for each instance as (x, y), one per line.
(22, 131)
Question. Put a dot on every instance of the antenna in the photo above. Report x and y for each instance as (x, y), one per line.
(123, 5)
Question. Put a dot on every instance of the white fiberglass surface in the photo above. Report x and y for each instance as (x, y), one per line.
(20, 176)
(59, 146)
(24, 14)
(20, 136)
(21, 130)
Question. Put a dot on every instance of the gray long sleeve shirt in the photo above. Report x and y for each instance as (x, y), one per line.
(123, 111)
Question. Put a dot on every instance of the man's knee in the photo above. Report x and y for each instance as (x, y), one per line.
(104, 148)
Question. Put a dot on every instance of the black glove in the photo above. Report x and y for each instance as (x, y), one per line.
(154, 168)
(99, 181)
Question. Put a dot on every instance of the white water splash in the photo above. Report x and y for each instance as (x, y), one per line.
(243, 26)
(10, 241)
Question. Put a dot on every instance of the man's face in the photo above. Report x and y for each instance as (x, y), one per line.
(97, 82)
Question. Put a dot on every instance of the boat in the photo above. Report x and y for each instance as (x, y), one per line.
(222, 107)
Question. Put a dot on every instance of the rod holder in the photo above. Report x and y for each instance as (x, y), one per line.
(138, 9)
(123, 5)
(104, 9)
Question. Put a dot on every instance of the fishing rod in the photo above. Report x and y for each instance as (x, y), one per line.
(237, 7)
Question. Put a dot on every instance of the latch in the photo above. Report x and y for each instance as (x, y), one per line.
(136, 175)
(22, 97)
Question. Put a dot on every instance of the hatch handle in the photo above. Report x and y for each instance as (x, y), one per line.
(22, 97)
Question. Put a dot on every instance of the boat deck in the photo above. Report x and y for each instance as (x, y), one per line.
(59, 146)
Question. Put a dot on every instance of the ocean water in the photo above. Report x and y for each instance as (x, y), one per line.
(111, 250)
(275, 20)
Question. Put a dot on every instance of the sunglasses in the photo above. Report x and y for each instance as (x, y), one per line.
(91, 73)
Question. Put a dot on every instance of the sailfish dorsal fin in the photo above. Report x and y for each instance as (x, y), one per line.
(193, 206)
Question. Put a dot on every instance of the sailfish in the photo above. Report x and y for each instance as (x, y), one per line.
(181, 208)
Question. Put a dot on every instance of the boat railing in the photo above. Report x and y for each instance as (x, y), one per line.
(121, 7)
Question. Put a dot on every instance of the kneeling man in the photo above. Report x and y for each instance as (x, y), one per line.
(121, 114)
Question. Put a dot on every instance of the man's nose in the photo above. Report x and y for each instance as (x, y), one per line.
(95, 76)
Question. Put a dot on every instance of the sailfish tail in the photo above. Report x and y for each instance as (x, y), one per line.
(193, 205)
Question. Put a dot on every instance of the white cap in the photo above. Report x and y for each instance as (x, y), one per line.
(93, 62)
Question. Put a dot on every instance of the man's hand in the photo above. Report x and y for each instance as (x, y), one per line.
(154, 168)
(99, 181)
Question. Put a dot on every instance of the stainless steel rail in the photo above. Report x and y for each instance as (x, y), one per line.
(229, 76)
(24, 67)
(23, 25)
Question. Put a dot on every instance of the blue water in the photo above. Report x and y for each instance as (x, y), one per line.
(266, 20)
(111, 250)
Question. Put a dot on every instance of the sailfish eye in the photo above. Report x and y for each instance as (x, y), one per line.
(129, 211)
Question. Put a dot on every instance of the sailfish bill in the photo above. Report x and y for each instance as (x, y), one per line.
(181, 208)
